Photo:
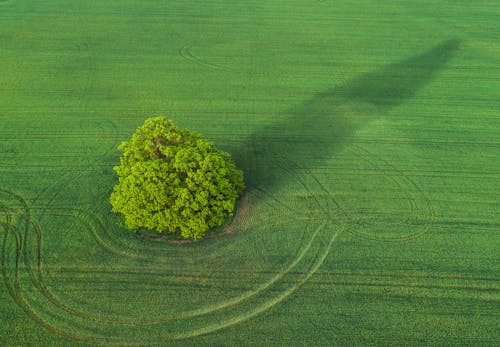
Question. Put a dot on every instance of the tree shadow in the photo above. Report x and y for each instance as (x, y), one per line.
(315, 130)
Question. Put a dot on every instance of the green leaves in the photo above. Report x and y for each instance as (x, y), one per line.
(171, 180)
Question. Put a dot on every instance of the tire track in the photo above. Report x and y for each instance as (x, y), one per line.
(118, 245)
(367, 156)
(411, 200)
(265, 306)
(185, 52)
(320, 256)
(316, 237)
(20, 300)
(41, 286)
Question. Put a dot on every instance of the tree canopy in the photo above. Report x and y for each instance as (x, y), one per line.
(172, 180)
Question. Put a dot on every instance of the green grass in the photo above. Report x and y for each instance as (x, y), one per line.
(368, 133)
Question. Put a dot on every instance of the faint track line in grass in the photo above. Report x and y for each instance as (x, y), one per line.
(232, 303)
(240, 318)
(409, 182)
(269, 304)
(122, 245)
(38, 280)
(197, 312)
(49, 296)
(7, 228)
(263, 286)
(15, 290)
(21, 245)
(83, 106)
(408, 285)
(186, 53)
(45, 291)
(26, 308)
(121, 248)
(85, 163)
(414, 276)
(225, 277)
(317, 237)
(413, 206)
(331, 199)
(266, 306)
(306, 188)
(19, 199)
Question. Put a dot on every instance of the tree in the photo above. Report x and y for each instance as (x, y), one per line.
(171, 180)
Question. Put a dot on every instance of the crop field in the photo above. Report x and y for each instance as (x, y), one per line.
(368, 133)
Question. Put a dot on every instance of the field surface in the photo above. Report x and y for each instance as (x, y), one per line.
(369, 135)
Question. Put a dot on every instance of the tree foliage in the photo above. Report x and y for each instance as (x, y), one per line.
(173, 180)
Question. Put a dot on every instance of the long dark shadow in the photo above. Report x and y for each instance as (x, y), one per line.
(321, 126)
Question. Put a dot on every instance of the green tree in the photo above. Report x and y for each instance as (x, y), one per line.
(173, 180)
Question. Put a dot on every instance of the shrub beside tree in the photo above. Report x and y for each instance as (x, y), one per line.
(172, 180)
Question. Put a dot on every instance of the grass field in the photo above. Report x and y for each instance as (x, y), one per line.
(369, 135)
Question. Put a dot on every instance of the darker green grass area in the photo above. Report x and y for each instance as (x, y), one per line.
(314, 131)
(395, 83)
(368, 133)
